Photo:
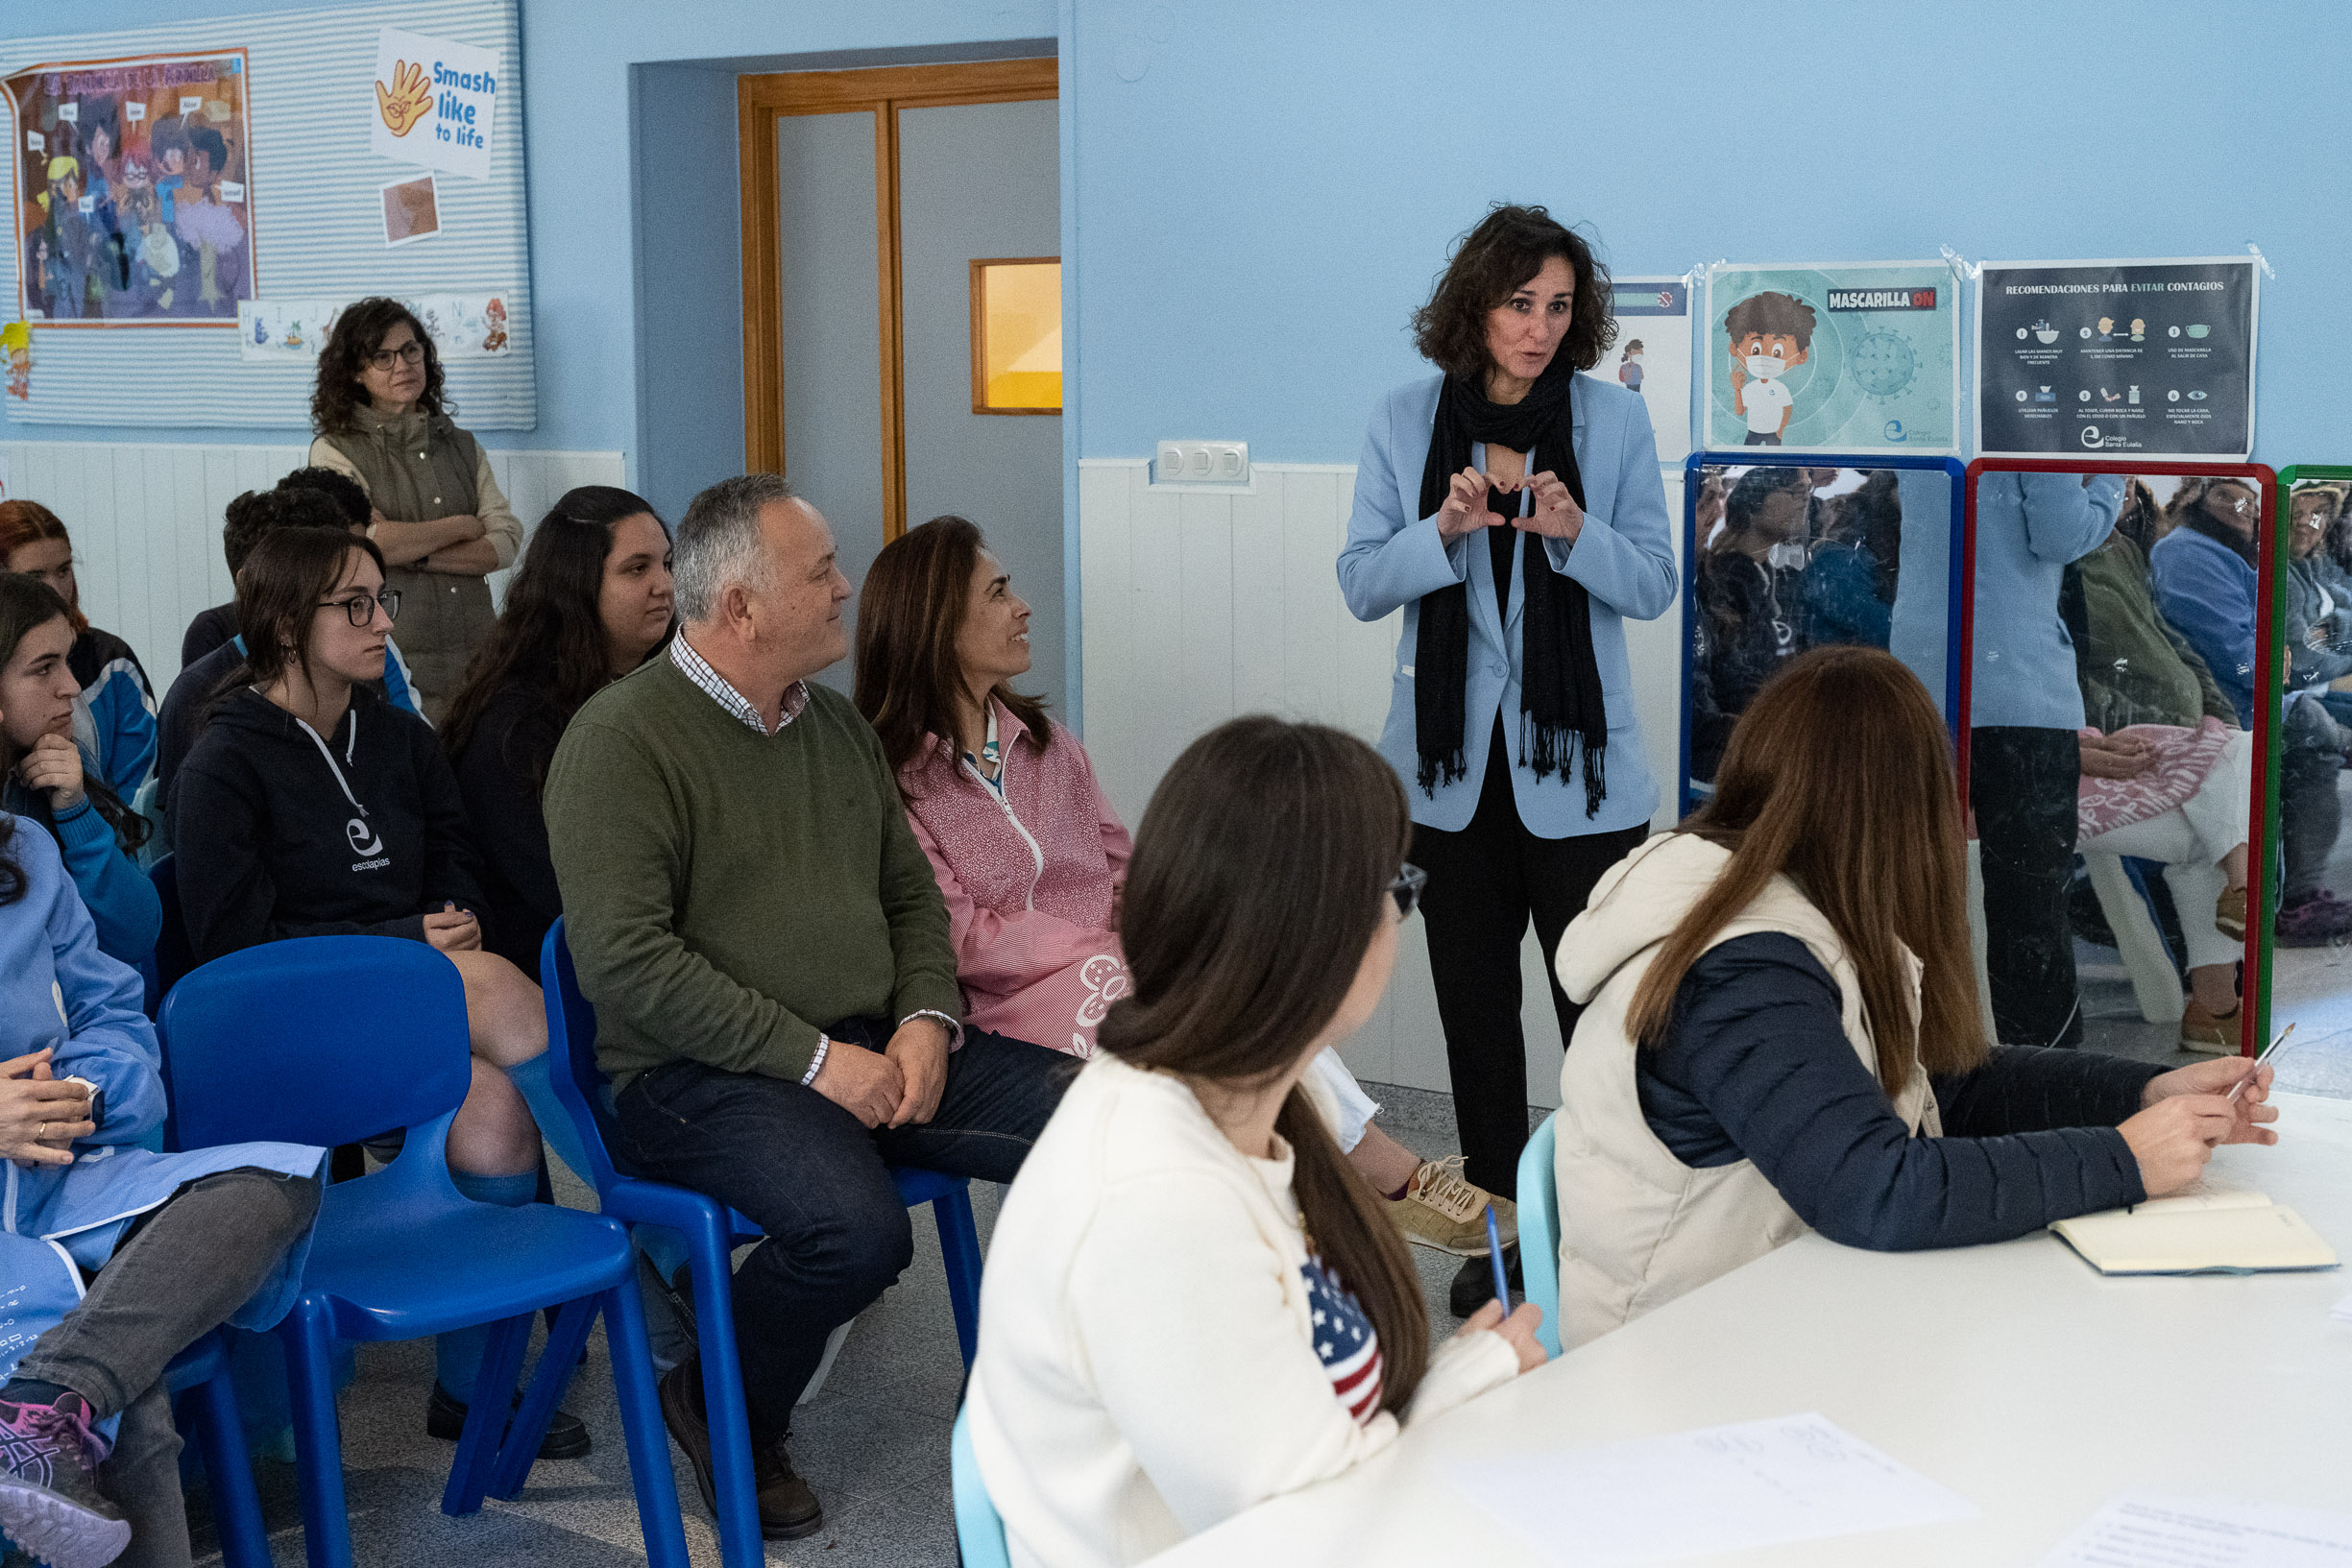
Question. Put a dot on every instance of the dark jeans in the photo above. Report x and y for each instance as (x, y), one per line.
(817, 1180)
(2309, 817)
(2022, 783)
(1485, 882)
(177, 1276)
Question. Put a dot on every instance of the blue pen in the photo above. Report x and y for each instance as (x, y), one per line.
(1495, 1256)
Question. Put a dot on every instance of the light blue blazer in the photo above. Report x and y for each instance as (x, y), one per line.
(1624, 557)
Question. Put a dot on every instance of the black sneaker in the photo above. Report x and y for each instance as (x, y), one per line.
(788, 1508)
(1473, 1283)
(445, 1418)
(49, 1500)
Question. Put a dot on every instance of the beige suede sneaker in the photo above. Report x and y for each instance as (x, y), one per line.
(1441, 1210)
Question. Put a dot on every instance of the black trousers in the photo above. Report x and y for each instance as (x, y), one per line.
(2023, 785)
(1484, 882)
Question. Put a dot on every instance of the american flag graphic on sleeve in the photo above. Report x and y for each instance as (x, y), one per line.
(1344, 1340)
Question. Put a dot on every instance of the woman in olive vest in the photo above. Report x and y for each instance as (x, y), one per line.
(440, 519)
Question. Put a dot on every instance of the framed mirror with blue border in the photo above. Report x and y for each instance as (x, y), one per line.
(2305, 978)
(2118, 687)
(1789, 552)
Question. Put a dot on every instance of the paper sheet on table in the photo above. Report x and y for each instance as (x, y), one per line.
(1658, 1499)
(2145, 1530)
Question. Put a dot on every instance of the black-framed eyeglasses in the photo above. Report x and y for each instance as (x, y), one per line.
(361, 608)
(407, 353)
(1406, 889)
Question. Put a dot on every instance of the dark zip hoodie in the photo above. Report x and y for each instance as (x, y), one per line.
(281, 831)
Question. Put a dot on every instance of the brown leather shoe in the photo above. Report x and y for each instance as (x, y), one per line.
(788, 1508)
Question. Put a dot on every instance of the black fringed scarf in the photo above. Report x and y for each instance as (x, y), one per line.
(1560, 698)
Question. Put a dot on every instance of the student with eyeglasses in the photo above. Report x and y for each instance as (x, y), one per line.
(309, 806)
(1194, 1303)
(441, 521)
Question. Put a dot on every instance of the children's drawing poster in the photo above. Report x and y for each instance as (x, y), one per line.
(435, 101)
(1832, 356)
(2144, 359)
(463, 326)
(135, 191)
(1652, 355)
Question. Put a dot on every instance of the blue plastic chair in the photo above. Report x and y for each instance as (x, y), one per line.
(204, 1405)
(579, 1124)
(1539, 1230)
(348, 1033)
(173, 957)
(980, 1531)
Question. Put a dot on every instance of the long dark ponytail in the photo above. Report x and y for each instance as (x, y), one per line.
(1259, 881)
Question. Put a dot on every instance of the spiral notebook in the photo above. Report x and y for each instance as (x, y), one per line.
(2216, 1231)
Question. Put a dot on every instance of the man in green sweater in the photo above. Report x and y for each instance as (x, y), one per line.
(768, 957)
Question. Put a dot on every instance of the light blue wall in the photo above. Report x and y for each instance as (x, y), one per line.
(1258, 211)
(578, 108)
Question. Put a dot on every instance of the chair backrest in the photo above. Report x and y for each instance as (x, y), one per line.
(980, 1531)
(583, 1139)
(174, 957)
(320, 1040)
(1540, 1229)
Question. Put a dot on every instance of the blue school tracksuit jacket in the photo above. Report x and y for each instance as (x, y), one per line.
(57, 989)
(115, 718)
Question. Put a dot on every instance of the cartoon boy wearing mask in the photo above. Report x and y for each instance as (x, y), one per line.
(1771, 335)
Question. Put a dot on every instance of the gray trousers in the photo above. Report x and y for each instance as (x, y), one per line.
(176, 1277)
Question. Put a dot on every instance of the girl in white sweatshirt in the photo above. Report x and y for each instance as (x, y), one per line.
(1192, 1303)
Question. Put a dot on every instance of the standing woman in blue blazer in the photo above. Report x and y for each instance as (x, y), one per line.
(1511, 718)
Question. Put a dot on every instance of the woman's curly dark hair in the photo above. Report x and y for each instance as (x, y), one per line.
(1509, 247)
(356, 333)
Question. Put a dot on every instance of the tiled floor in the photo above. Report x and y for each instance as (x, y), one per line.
(874, 1441)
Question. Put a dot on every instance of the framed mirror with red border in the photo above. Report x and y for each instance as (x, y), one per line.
(2119, 618)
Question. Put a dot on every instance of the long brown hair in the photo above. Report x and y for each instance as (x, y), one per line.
(1259, 881)
(27, 604)
(279, 590)
(551, 638)
(29, 522)
(1839, 774)
(910, 614)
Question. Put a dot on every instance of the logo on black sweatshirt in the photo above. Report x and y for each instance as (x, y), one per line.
(364, 839)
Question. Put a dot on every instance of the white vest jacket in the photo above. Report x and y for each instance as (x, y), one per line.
(1637, 1227)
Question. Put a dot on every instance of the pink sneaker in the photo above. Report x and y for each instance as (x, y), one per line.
(49, 1500)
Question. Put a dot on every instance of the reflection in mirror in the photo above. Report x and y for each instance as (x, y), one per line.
(2110, 754)
(1788, 558)
(2311, 966)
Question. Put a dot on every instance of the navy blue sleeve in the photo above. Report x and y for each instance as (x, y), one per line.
(2034, 1088)
(1755, 1064)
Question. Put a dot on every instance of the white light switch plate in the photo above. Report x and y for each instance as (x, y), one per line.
(1224, 465)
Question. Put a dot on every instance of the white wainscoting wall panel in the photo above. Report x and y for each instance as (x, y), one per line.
(146, 521)
(1202, 605)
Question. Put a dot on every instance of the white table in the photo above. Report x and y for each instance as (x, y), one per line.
(2013, 1374)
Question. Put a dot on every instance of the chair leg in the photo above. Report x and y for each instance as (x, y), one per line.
(959, 1250)
(486, 1416)
(236, 1507)
(641, 1420)
(317, 1437)
(569, 1332)
(725, 1414)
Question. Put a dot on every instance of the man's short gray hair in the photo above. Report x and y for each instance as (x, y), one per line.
(718, 544)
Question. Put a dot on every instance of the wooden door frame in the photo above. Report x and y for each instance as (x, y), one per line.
(761, 101)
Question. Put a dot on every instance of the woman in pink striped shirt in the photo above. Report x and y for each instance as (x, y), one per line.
(1029, 854)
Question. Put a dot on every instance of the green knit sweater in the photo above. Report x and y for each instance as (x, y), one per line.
(727, 895)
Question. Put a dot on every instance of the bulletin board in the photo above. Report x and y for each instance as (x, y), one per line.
(281, 119)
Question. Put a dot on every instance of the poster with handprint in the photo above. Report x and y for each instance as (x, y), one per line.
(435, 102)
(134, 191)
